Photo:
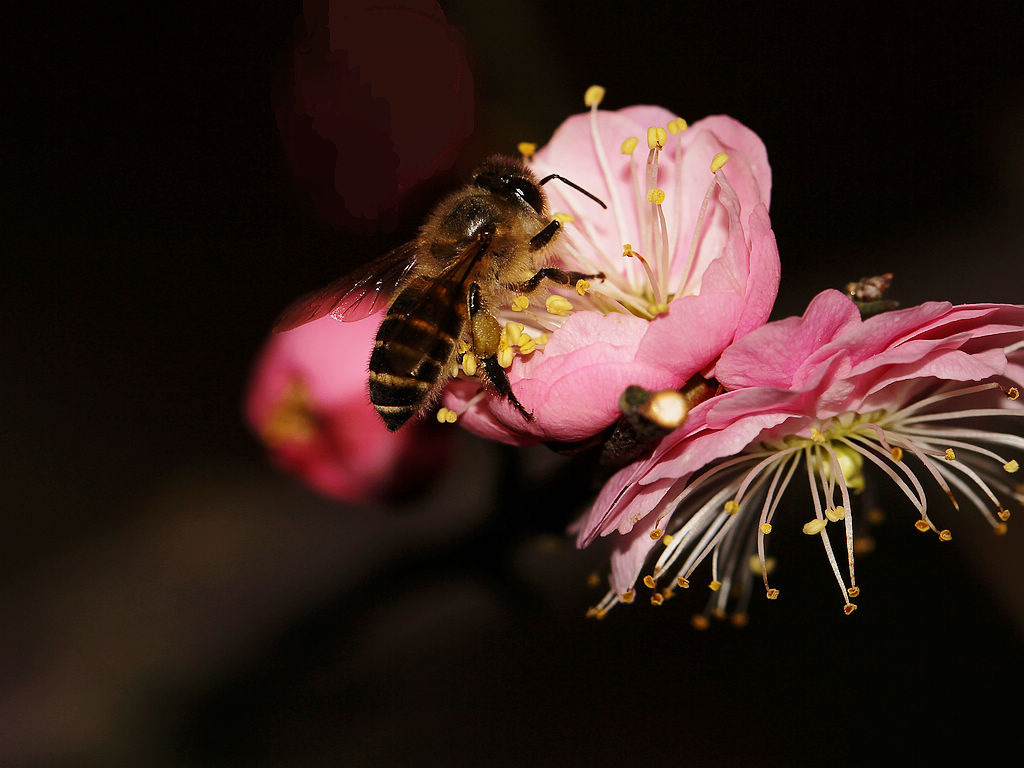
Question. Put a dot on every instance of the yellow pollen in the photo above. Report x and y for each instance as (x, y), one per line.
(816, 525)
(817, 437)
(667, 538)
(469, 364)
(657, 309)
(629, 145)
(582, 287)
(1000, 530)
(922, 525)
(849, 608)
(945, 535)
(627, 250)
(649, 581)
(715, 585)
(1003, 514)
(542, 339)
(593, 580)
(514, 332)
(656, 196)
(1011, 466)
(772, 594)
(445, 416)
(519, 303)
(563, 218)
(835, 515)
(950, 455)
(683, 582)
(853, 591)
(700, 621)
(593, 96)
(558, 305)
(676, 125)
(766, 527)
(1013, 393)
(600, 614)
(656, 534)
(657, 598)
(718, 162)
(506, 356)
(527, 149)
(528, 345)
(732, 507)
(656, 137)
(627, 596)
(896, 453)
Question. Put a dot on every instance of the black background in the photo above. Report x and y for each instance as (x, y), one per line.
(169, 599)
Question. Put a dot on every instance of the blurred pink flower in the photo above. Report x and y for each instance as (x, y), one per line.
(833, 394)
(309, 403)
(704, 270)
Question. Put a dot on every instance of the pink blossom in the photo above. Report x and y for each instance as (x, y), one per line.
(833, 394)
(309, 403)
(707, 271)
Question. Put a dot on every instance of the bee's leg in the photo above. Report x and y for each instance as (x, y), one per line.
(555, 275)
(486, 337)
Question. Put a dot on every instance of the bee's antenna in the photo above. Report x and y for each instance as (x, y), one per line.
(575, 186)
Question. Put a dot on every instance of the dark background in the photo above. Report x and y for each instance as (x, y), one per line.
(167, 598)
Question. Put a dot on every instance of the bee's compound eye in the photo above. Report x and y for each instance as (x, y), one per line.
(530, 193)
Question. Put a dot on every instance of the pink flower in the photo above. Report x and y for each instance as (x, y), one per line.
(824, 397)
(704, 270)
(309, 403)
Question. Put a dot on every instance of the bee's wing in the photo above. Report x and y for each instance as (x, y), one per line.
(359, 294)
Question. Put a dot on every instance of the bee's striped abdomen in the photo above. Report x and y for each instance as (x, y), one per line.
(414, 346)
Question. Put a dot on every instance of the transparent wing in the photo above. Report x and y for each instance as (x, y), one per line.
(359, 294)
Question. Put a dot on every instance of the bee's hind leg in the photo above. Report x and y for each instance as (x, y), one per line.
(499, 380)
(486, 338)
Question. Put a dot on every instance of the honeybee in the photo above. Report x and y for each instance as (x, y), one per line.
(475, 252)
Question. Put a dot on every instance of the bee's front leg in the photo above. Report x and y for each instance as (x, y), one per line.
(486, 338)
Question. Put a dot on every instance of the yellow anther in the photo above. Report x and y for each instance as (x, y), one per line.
(454, 368)
(558, 305)
(715, 585)
(656, 196)
(593, 96)
(677, 125)
(292, 418)
(469, 364)
(627, 596)
(542, 339)
(527, 345)
(863, 544)
(718, 613)
(945, 535)
(718, 162)
(563, 218)
(738, 619)
(627, 250)
(656, 534)
(667, 538)
(656, 137)
(772, 594)
(600, 614)
(817, 525)
(1013, 393)
(835, 515)
(668, 593)
(649, 581)
(527, 149)
(849, 608)
(445, 416)
(922, 525)
(1011, 466)
(593, 580)
(582, 287)
(754, 564)
(817, 437)
(766, 527)
(657, 309)
(875, 516)
(657, 598)
(683, 582)
(1003, 514)
(519, 303)
(950, 455)
(1000, 530)
(896, 453)
(629, 145)
(700, 621)
(731, 507)
(514, 332)
(506, 356)
(853, 591)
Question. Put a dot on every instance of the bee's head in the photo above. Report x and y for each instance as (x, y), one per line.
(512, 180)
